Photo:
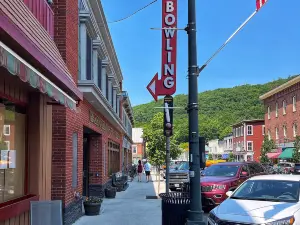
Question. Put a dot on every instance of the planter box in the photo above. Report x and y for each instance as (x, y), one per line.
(110, 193)
(92, 209)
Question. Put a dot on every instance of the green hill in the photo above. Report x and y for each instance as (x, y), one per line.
(218, 109)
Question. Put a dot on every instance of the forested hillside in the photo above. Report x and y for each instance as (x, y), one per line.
(218, 109)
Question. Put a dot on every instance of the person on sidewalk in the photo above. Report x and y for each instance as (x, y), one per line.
(147, 168)
(140, 171)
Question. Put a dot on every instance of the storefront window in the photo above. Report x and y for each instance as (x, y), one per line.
(12, 151)
(114, 157)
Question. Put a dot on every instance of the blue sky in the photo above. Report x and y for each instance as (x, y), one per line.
(266, 49)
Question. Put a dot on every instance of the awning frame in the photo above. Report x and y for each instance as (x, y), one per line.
(49, 87)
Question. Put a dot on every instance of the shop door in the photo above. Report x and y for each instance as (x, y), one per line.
(86, 148)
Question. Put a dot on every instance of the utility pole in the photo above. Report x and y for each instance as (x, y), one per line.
(195, 214)
(167, 164)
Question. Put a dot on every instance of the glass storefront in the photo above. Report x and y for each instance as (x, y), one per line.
(113, 157)
(13, 150)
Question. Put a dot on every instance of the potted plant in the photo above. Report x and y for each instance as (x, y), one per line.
(92, 206)
(110, 192)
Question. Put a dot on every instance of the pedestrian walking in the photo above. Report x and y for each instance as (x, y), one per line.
(147, 168)
(140, 171)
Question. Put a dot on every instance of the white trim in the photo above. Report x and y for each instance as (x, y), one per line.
(276, 110)
(263, 130)
(276, 133)
(284, 107)
(251, 129)
(251, 146)
(295, 129)
(294, 103)
(4, 130)
(269, 112)
(34, 70)
(284, 131)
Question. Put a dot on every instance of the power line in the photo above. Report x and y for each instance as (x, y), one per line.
(133, 13)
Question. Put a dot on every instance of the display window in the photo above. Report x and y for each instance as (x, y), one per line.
(12, 151)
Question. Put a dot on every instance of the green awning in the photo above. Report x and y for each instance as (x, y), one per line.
(287, 153)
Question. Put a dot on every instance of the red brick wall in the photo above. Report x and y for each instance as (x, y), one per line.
(65, 123)
(96, 163)
(66, 32)
(289, 118)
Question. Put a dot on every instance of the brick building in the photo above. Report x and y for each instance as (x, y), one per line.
(248, 136)
(34, 79)
(138, 146)
(282, 112)
(95, 142)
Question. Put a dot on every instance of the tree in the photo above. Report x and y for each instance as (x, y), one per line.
(231, 157)
(267, 146)
(156, 142)
(296, 153)
(210, 157)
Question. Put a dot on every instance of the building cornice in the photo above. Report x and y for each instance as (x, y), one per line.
(280, 88)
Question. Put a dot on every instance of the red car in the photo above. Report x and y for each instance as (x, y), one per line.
(219, 178)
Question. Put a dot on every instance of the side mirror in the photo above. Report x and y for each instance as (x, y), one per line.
(244, 174)
(229, 193)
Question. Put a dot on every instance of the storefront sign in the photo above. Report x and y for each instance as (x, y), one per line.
(167, 84)
(96, 120)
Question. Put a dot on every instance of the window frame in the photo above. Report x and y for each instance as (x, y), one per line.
(248, 130)
(276, 133)
(269, 112)
(294, 103)
(284, 107)
(263, 130)
(134, 147)
(284, 131)
(276, 110)
(295, 129)
(250, 142)
(4, 130)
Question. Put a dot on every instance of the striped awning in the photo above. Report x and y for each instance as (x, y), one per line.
(27, 73)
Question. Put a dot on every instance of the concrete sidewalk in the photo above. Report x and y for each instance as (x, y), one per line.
(130, 207)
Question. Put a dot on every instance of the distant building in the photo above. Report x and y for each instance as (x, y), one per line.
(216, 148)
(248, 136)
(228, 143)
(282, 112)
(138, 147)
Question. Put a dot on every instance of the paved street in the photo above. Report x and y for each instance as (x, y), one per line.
(130, 207)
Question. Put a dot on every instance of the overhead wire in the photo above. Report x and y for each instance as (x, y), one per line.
(127, 17)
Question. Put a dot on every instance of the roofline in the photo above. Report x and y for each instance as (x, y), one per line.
(248, 121)
(280, 88)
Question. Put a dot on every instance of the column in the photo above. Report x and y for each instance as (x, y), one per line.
(96, 45)
(83, 16)
(118, 104)
(115, 88)
(104, 64)
(110, 80)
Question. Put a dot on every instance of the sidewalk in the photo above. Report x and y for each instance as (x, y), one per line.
(130, 207)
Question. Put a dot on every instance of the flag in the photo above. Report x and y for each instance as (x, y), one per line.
(260, 3)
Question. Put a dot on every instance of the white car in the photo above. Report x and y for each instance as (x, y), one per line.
(266, 200)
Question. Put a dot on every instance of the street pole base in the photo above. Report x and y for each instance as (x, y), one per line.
(195, 218)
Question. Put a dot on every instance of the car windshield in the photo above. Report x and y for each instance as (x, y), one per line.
(183, 166)
(221, 170)
(268, 190)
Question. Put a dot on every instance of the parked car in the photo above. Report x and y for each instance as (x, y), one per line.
(287, 167)
(296, 168)
(268, 199)
(220, 178)
(179, 177)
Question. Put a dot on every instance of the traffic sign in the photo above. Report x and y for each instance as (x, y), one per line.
(167, 84)
(168, 116)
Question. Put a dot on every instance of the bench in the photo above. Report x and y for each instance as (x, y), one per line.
(119, 181)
